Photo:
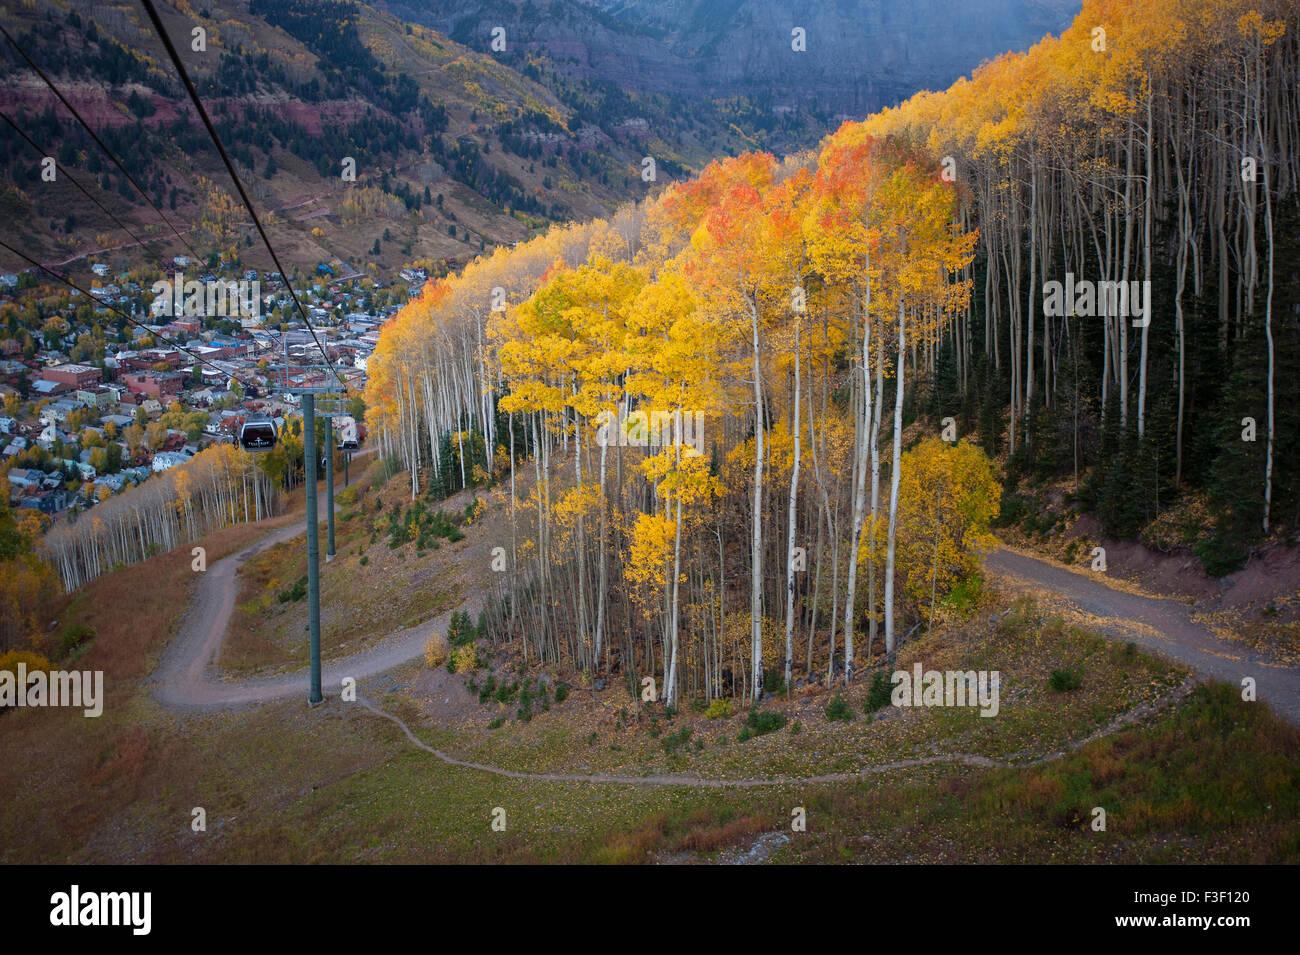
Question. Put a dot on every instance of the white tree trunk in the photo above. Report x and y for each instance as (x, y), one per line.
(790, 526)
(893, 485)
(756, 540)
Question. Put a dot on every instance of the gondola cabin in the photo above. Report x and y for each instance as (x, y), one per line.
(257, 434)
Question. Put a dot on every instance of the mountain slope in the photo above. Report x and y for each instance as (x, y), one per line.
(457, 147)
(296, 88)
(859, 55)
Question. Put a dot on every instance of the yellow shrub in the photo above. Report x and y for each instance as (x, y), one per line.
(9, 661)
(719, 709)
(464, 658)
(435, 651)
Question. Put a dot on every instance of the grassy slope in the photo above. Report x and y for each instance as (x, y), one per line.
(1213, 779)
(360, 603)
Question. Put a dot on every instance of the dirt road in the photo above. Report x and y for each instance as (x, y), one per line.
(1161, 625)
(186, 677)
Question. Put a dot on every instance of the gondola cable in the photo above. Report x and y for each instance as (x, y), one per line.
(95, 136)
(234, 175)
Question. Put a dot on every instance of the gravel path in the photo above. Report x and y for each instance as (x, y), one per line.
(1161, 625)
(1134, 715)
(186, 679)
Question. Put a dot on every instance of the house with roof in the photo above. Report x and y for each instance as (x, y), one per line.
(114, 482)
(80, 467)
(44, 388)
(58, 411)
(23, 478)
(167, 459)
(50, 501)
(97, 397)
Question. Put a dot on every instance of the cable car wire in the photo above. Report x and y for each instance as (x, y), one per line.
(239, 185)
(130, 318)
(72, 179)
(95, 136)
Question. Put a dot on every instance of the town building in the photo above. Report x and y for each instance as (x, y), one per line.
(74, 376)
(156, 384)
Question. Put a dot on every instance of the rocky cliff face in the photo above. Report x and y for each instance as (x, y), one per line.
(860, 54)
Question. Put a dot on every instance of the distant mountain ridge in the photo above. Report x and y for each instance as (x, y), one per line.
(860, 54)
(458, 147)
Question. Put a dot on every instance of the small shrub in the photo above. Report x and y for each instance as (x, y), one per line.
(73, 636)
(294, 593)
(965, 595)
(435, 651)
(9, 661)
(465, 659)
(1063, 681)
(674, 741)
(880, 692)
(364, 560)
(719, 709)
(796, 728)
(839, 709)
(760, 723)
(561, 692)
(591, 740)
(497, 723)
